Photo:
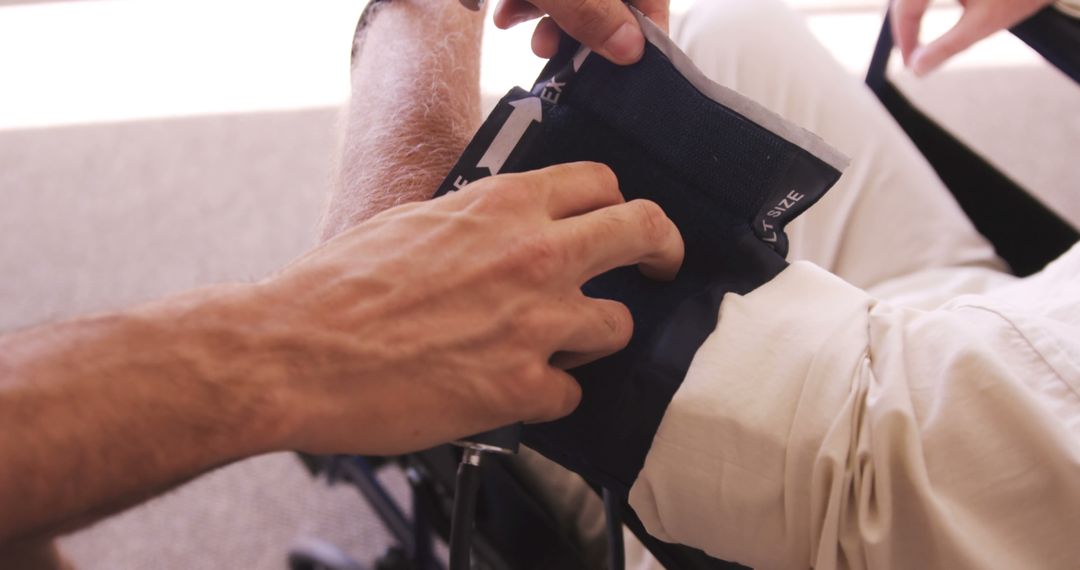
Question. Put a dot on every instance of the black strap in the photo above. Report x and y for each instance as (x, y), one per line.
(879, 63)
(1025, 233)
(1056, 37)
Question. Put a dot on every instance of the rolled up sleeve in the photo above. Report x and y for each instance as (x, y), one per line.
(820, 427)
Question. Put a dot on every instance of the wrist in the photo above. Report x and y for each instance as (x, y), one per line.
(220, 338)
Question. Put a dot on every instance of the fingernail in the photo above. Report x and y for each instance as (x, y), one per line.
(626, 44)
(525, 16)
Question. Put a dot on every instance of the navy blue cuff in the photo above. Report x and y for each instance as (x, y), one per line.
(728, 173)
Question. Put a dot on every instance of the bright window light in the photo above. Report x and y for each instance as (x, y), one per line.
(113, 60)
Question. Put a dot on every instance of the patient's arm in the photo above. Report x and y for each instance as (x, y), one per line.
(415, 93)
(415, 103)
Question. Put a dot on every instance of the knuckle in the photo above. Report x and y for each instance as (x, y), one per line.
(488, 195)
(533, 378)
(588, 17)
(533, 326)
(606, 180)
(651, 219)
(620, 324)
(501, 193)
(598, 169)
(540, 259)
(527, 384)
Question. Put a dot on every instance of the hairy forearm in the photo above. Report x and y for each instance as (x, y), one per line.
(414, 105)
(101, 412)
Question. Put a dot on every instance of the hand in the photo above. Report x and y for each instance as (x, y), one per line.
(980, 19)
(440, 319)
(605, 26)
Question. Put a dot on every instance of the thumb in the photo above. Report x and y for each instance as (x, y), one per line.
(970, 29)
(605, 26)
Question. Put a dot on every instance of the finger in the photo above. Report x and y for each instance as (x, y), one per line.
(634, 233)
(545, 39)
(575, 188)
(560, 395)
(907, 18)
(605, 26)
(510, 13)
(603, 327)
(970, 29)
(656, 10)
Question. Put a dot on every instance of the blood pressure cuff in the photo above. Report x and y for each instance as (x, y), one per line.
(728, 173)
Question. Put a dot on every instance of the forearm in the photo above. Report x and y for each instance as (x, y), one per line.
(101, 412)
(414, 105)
